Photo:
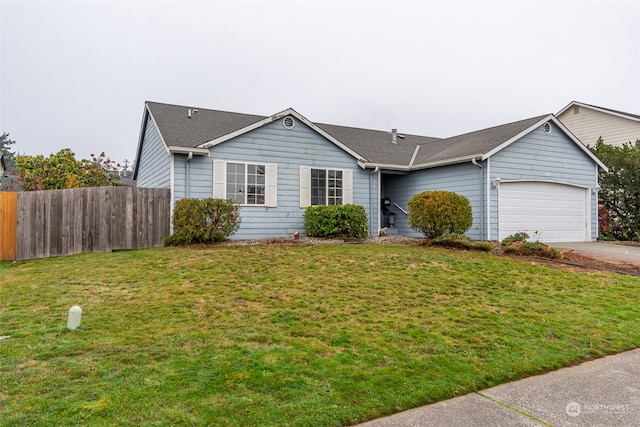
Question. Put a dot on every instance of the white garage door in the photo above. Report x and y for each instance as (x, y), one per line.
(558, 211)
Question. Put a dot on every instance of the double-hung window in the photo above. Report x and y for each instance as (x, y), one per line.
(245, 183)
(326, 187)
(320, 186)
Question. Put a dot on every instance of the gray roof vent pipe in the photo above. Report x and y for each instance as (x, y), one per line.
(394, 136)
(189, 111)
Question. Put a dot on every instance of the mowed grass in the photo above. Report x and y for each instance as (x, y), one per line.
(268, 335)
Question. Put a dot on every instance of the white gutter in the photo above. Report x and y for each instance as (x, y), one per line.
(189, 151)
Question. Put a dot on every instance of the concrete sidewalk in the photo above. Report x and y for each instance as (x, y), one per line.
(602, 392)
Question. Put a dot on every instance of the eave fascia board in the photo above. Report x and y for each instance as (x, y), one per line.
(371, 165)
(236, 133)
(446, 162)
(278, 116)
(600, 110)
(566, 108)
(517, 137)
(146, 116)
(186, 150)
(321, 132)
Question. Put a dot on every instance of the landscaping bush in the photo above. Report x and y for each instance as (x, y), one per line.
(435, 213)
(336, 221)
(460, 241)
(517, 237)
(533, 249)
(203, 221)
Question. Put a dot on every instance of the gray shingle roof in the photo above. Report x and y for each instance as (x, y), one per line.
(179, 130)
(473, 143)
(375, 146)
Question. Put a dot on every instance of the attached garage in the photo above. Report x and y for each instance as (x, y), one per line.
(560, 212)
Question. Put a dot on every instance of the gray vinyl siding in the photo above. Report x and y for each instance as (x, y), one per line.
(288, 149)
(538, 156)
(154, 168)
(464, 179)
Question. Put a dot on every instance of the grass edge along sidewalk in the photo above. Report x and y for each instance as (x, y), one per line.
(266, 335)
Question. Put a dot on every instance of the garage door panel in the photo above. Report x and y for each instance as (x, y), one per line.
(558, 211)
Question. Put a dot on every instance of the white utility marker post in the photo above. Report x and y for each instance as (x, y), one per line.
(75, 314)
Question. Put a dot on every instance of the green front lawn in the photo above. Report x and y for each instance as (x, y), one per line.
(327, 335)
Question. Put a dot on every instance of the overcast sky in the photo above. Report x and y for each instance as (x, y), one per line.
(76, 74)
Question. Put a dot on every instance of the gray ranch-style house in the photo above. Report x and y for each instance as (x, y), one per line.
(530, 175)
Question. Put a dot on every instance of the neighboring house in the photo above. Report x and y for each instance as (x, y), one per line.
(589, 123)
(527, 175)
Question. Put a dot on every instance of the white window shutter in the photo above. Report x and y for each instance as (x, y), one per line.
(305, 186)
(271, 186)
(219, 171)
(347, 182)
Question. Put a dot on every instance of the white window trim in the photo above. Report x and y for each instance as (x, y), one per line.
(270, 185)
(305, 184)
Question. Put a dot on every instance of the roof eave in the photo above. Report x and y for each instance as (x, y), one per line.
(598, 109)
(189, 150)
(373, 165)
(446, 162)
(517, 137)
(146, 115)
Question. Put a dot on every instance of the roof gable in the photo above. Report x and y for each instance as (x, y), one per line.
(278, 116)
(634, 117)
(485, 143)
(471, 145)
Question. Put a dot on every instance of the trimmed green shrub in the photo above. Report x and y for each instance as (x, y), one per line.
(435, 213)
(336, 221)
(534, 249)
(460, 241)
(520, 236)
(203, 221)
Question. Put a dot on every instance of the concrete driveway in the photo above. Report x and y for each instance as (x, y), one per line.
(605, 251)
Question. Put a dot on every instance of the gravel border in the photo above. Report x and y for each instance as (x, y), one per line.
(313, 241)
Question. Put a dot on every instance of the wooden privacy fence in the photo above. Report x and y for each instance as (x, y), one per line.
(41, 224)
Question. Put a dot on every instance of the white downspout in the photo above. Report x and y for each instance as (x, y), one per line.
(172, 177)
(482, 204)
(371, 201)
(488, 190)
(187, 173)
